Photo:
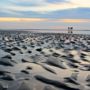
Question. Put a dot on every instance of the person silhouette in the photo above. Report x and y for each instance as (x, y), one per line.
(70, 30)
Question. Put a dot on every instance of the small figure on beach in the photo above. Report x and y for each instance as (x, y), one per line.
(70, 30)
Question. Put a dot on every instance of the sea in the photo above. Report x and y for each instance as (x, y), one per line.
(61, 31)
(47, 31)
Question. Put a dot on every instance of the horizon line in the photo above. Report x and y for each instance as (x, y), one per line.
(44, 29)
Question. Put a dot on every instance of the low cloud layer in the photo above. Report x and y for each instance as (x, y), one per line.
(57, 12)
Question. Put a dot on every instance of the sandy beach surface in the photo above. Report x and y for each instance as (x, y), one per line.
(44, 61)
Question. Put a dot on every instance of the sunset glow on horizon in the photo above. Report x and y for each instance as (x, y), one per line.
(8, 19)
(44, 13)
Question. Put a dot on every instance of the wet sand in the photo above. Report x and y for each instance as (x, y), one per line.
(44, 61)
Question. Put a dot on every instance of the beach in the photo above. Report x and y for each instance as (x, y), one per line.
(44, 61)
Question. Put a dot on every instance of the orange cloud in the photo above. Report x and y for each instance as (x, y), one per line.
(9, 19)
(6, 19)
(74, 20)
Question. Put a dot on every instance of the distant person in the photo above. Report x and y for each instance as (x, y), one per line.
(70, 30)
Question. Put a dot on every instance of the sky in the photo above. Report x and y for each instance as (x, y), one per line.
(44, 14)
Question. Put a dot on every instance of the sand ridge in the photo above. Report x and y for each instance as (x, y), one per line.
(44, 61)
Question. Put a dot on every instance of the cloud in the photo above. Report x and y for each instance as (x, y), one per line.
(7, 19)
(43, 23)
(43, 6)
(77, 13)
(74, 20)
(81, 3)
(44, 13)
(42, 9)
